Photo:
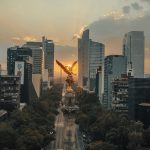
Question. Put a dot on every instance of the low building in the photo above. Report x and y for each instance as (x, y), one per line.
(9, 92)
(138, 92)
(144, 113)
(120, 94)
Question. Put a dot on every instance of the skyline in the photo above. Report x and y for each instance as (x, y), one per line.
(62, 23)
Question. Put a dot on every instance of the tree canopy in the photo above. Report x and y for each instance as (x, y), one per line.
(30, 128)
(106, 130)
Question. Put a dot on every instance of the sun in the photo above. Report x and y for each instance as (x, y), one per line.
(69, 65)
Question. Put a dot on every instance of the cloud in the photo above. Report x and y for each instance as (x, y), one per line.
(78, 35)
(16, 38)
(148, 1)
(126, 9)
(20, 40)
(111, 32)
(136, 6)
(29, 38)
(116, 15)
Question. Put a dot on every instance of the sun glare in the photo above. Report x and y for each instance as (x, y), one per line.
(69, 65)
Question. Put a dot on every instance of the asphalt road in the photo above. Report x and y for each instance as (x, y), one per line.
(67, 133)
(66, 130)
(59, 127)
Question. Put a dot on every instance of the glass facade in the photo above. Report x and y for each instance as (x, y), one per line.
(90, 58)
(115, 65)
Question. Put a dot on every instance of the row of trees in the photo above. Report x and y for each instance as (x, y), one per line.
(33, 127)
(105, 130)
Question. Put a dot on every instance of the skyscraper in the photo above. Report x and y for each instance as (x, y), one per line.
(83, 48)
(90, 58)
(19, 62)
(38, 56)
(115, 65)
(48, 47)
(13, 54)
(133, 48)
(96, 59)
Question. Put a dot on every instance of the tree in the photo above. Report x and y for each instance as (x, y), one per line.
(102, 146)
(6, 134)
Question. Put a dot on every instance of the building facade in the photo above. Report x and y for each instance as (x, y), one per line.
(19, 62)
(90, 58)
(115, 65)
(120, 95)
(138, 93)
(9, 92)
(96, 59)
(13, 54)
(48, 47)
(133, 49)
(83, 48)
(99, 84)
(37, 55)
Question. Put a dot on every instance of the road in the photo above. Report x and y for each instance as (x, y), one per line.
(68, 136)
(59, 127)
(65, 133)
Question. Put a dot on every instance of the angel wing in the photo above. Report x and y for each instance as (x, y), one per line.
(73, 65)
(63, 67)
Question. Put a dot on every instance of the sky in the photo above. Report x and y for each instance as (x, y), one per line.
(64, 20)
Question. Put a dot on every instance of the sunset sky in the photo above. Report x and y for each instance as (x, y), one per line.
(63, 21)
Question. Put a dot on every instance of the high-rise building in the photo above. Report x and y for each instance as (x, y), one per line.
(96, 59)
(133, 48)
(9, 92)
(90, 58)
(41, 78)
(13, 54)
(83, 48)
(48, 47)
(115, 65)
(38, 56)
(19, 62)
(23, 68)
